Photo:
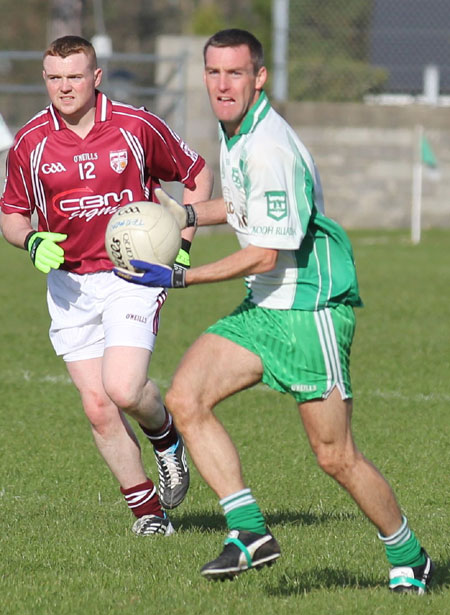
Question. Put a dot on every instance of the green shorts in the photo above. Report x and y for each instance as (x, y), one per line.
(303, 353)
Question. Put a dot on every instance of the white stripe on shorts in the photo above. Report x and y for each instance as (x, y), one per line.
(327, 337)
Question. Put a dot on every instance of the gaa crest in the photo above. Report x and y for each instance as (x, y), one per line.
(276, 204)
(118, 160)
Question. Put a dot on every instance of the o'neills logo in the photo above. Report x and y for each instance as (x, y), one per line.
(136, 318)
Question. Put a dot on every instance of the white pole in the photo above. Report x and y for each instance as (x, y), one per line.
(416, 209)
(431, 87)
(6, 138)
(280, 35)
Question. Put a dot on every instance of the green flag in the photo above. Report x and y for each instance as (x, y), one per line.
(427, 154)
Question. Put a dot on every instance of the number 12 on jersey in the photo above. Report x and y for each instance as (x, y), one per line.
(86, 170)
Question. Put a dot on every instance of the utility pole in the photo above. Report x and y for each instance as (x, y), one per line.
(65, 18)
(280, 20)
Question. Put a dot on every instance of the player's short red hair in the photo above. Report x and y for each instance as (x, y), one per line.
(68, 45)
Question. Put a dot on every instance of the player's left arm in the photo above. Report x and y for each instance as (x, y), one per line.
(248, 261)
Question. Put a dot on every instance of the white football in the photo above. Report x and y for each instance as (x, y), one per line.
(143, 231)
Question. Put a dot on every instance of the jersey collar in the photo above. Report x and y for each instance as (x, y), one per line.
(254, 116)
(103, 112)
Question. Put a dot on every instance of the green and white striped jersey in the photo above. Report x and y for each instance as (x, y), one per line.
(273, 197)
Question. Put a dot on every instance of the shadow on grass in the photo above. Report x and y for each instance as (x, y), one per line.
(203, 521)
(441, 576)
(306, 581)
(309, 517)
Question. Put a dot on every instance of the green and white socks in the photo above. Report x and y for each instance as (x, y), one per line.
(243, 513)
(402, 547)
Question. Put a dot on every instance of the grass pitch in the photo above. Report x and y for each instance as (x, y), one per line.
(65, 541)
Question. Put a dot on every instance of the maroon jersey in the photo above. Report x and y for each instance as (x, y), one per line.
(75, 185)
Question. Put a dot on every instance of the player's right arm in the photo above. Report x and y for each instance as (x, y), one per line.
(203, 213)
(17, 206)
(211, 212)
(43, 247)
(15, 228)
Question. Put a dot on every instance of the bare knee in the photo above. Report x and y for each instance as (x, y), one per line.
(335, 461)
(101, 413)
(131, 395)
(123, 395)
(179, 404)
(185, 407)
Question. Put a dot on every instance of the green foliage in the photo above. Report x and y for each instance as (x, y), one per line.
(330, 26)
(334, 79)
(207, 19)
(66, 545)
(255, 16)
(328, 51)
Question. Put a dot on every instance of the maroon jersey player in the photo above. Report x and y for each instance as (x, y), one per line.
(75, 184)
(72, 166)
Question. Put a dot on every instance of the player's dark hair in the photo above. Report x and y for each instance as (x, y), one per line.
(234, 37)
(68, 45)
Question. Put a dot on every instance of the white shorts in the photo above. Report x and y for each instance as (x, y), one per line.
(93, 311)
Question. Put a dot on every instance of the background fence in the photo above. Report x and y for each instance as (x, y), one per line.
(336, 51)
(346, 50)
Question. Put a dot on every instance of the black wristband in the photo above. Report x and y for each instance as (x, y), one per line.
(27, 239)
(185, 244)
(178, 277)
(33, 248)
(191, 216)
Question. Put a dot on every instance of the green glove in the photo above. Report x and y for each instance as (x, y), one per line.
(183, 259)
(44, 251)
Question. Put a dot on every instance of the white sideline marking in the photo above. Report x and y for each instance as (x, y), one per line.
(375, 240)
(418, 397)
(31, 377)
(64, 379)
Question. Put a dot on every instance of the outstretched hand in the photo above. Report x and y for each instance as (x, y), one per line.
(184, 214)
(150, 274)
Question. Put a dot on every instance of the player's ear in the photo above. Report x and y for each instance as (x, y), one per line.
(98, 73)
(261, 78)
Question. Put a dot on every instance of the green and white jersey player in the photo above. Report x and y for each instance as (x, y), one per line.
(293, 331)
(273, 198)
